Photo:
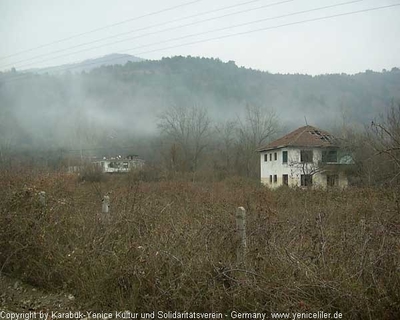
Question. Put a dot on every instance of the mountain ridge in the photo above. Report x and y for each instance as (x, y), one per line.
(88, 64)
(122, 101)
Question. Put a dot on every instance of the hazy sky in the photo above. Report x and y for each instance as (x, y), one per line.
(350, 44)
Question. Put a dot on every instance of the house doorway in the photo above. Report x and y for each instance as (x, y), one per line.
(332, 180)
(306, 180)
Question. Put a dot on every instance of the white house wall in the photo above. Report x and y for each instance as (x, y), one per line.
(276, 167)
(294, 168)
(123, 166)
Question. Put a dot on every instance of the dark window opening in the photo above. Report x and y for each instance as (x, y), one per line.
(329, 156)
(113, 165)
(270, 157)
(285, 179)
(332, 180)
(270, 179)
(306, 180)
(265, 157)
(275, 178)
(306, 156)
(276, 156)
(284, 156)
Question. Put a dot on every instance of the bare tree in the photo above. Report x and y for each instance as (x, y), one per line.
(304, 168)
(226, 138)
(258, 127)
(189, 129)
(8, 137)
(387, 135)
(384, 138)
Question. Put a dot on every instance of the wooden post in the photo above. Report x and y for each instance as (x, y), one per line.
(241, 231)
(42, 198)
(105, 208)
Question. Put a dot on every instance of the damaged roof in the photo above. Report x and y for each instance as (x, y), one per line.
(307, 136)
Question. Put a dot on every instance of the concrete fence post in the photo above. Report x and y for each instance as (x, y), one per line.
(42, 198)
(105, 208)
(241, 231)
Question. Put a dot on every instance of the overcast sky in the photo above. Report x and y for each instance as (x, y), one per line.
(349, 44)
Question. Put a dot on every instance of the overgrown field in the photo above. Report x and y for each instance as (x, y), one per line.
(171, 245)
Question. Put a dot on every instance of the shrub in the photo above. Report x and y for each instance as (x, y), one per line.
(171, 245)
(91, 173)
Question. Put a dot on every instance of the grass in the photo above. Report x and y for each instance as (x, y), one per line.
(171, 245)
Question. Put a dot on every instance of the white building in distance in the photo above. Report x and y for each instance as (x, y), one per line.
(305, 157)
(119, 164)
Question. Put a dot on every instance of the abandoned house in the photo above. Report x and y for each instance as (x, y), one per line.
(119, 164)
(305, 157)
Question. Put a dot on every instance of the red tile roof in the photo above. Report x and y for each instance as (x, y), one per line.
(307, 136)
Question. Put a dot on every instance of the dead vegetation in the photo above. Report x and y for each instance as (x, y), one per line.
(171, 245)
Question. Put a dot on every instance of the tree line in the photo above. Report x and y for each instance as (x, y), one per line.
(192, 143)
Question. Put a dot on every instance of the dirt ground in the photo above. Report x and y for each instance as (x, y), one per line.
(16, 296)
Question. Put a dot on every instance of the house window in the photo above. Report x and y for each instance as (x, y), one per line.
(275, 178)
(270, 157)
(266, 157)
(284, 156)
(306, 156)
(329, 156)
(285, 179)
(332, 180)
(113, 165)
(276, 156)
(270, 179)
(306, 180)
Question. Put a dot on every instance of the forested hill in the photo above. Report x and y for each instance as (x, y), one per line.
(112, 102)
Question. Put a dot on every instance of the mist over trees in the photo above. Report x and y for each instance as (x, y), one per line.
(187, 113)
